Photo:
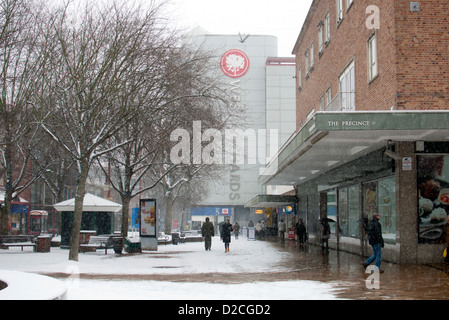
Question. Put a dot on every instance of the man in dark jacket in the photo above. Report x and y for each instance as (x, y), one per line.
(376, 241)
(208, 232)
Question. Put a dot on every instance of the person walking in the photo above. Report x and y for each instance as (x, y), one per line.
(226, 231)
(376, 241)
(281, 228)
(236, 230)
(301, 232)
(208, 232)
(325, 235)
(259, 230)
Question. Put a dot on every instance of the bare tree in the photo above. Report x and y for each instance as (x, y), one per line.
(96, 56)
(21, 61)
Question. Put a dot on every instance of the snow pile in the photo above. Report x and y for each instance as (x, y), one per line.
(26, 286)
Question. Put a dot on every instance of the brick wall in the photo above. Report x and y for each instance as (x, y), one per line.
(423, 55)
(412, 49)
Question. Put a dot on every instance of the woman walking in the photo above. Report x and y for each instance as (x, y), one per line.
(226, 231)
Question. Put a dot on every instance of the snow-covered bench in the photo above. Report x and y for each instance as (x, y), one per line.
(17, 241)
(97, 242)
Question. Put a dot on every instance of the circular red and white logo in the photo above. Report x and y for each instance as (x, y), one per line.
(235, 63)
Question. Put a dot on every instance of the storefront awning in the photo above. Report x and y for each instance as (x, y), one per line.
(332, 139)
(270, 201)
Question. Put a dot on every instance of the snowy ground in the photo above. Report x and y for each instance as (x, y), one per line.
(132, 276)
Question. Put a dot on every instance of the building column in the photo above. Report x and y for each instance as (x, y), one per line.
(406, 204)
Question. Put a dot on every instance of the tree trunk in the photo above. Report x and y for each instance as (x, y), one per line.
(78, 213)
(168, 213)
(4, 215)
(125, 216)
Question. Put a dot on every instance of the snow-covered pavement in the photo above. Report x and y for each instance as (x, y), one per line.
(167, 273)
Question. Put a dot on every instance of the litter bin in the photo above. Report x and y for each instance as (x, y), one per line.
(175, 238)
(133, 245)
(43, 244)
(117, 244)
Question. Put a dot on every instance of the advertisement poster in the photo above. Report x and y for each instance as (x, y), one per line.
(433, 197)
(148, 218)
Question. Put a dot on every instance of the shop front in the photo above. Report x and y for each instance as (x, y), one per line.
(346, 166)
(217, 216)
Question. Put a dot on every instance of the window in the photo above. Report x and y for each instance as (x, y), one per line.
(328, 95)
(348, 211)
(339, 11)
(347, 88)
(379, 196)
(306, 54)
(327, 27)
(299, 79)
(372, 57)
(312, 61)
(322, 103)
(348, 4)
(320, 39)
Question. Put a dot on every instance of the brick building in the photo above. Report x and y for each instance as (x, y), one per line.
(389, 58)
(372, 125)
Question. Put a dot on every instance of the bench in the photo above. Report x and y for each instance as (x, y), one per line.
(103, 243)
(17, 241)
(97, 243)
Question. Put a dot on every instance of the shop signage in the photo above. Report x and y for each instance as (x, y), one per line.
(349, 123)
(234, 63)
(407, 164)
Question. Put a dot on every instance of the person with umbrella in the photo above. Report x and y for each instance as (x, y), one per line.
(325, 234)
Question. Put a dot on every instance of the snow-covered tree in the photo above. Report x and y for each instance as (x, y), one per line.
(93, 75)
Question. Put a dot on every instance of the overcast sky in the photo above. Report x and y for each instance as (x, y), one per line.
(281, 18)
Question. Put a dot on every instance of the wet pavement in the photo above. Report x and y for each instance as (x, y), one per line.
(344, 271)
(341, 269)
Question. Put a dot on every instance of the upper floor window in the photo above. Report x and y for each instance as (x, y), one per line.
(328, 95)
(349, 3)
(299, 79)
(339, 11)
(372, 57)
(311, 56)
(320, 39)
(347, 88)
(327, 27)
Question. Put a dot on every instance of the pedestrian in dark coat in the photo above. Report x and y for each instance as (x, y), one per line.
(301, 232)
(376, 241)
(208, 232)
(325, 235)
(226, 231)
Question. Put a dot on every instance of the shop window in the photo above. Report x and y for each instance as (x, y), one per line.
(433, 197)
(331, 212)
(380, 196)
(348, 211)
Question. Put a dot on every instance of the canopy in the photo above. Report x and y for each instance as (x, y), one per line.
(38, 213)
(91, 204)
